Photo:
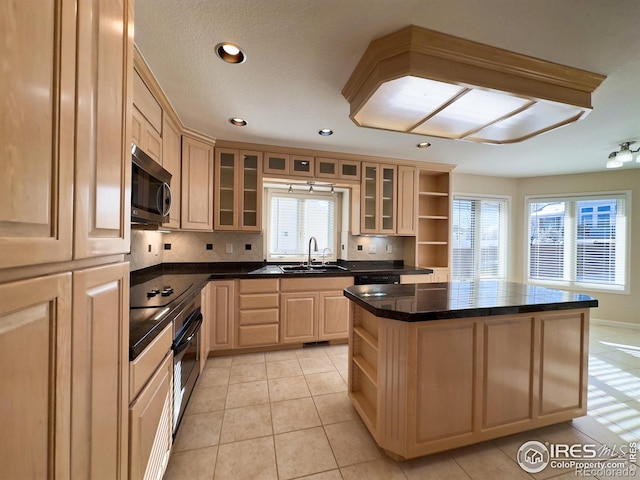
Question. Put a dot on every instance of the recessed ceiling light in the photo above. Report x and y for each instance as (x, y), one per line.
(325, 132)
(423, 145)
(230, 53)
(237, 121)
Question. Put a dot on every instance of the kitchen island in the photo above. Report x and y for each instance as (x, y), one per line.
(441, 365)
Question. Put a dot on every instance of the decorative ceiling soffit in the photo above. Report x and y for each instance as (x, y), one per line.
(428, 83)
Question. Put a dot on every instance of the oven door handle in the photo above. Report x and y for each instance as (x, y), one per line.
(183, 342)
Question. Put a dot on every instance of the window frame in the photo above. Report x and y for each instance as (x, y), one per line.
(505, 223)
(272, 190)
(572, 283)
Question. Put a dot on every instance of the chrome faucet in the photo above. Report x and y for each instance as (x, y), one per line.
(315, 249)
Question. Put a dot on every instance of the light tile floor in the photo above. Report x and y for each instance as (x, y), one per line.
(286, 415)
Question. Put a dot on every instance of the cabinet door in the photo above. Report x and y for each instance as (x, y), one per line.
(298, 317)
(407, 200)
(369, 198)
(387, 199)
(103, 154)
(301, 166)
(350, 170)
(171, 161)
(100, 372)
(221, 312)
(276, 164)
(334, 312)
(250, 191)
(153, 143)
(227, 172)
(327, 168)
(35, 359)
(197, 185)
(150, 425)
(37, 131)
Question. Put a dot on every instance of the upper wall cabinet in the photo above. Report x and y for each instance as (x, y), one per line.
(42, 137)
(171, 161)
(378, 192)
(147, 120)
(288, 165)
(338, 170)
(238, 190)
(197, 184)
(103, 145)
(37, 89)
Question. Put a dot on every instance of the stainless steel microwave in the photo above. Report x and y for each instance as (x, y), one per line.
(150, 189)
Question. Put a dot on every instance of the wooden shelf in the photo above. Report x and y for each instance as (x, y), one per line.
(434, 194)
(366, 336)
(367, 369)
(365, 406)
(433, 217)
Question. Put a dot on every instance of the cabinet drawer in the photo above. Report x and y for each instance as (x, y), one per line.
(264, 300)
(256, 335)
(258, 317)
(264, 285)
(141, 369)
(315, 284)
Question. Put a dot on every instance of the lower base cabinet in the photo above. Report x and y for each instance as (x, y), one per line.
(99, 373)
(314, 309)
(150, 424)
(63, 350)
(35, 359)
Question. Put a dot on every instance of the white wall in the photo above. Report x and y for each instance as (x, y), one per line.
(613, 306)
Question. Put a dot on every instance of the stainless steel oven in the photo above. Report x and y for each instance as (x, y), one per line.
(186, 355)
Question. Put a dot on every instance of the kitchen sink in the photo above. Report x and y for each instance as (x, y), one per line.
(313, 269)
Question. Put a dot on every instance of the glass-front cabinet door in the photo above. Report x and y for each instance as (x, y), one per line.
(378, 199)
(238, 190)
(251, 187)
(369, 218)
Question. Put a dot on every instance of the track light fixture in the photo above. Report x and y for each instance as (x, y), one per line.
(622, 156)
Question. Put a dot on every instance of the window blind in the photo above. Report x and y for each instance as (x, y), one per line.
(479, 245)
(295, 218)
(579, 240)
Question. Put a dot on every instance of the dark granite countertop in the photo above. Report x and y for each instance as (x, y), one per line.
(440, 301)
(233, 270)
(143, 328)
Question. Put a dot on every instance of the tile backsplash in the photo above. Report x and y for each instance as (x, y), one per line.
(151, 248)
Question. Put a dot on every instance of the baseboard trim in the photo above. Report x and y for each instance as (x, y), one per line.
(613, 323)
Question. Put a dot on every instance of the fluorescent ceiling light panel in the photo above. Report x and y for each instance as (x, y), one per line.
(429, 83)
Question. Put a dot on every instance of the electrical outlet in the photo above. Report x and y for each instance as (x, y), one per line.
(359, 247)
(149, 248)
(372, 248)
(167, 246)
(229, 248)
(388, 249)
(209, 246)
(247, 246)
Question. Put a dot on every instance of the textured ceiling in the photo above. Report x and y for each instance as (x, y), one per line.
(300, 53)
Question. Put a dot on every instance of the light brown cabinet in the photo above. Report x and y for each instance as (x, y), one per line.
(145, 136)
(257, 320)
(238, 190)
(424, 387)
(338, 170)
(103, 137)
(197, 184)
(99, 394)
(35, 367)
(378, 199)
(221, 310)
(314, 309)
(150, 424)
(172, 162)
(289, 165)
(434, 213)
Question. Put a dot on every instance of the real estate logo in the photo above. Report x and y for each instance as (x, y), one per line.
(533, 456)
